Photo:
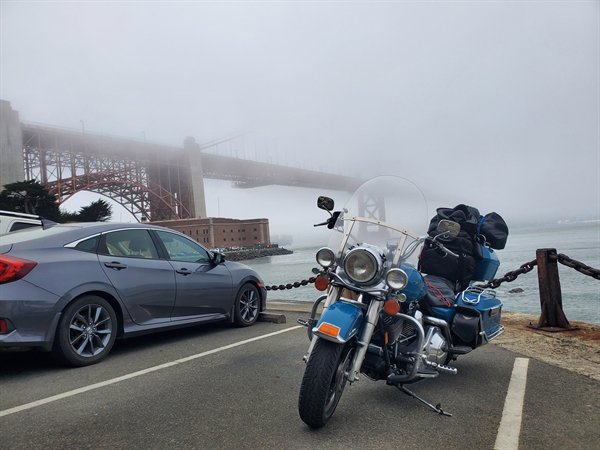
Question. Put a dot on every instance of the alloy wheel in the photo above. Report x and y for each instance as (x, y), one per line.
(90, 330)
(249, 302)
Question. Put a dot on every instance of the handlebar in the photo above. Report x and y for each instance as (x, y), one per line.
(445, 250)
(441, 246)
(331, 221)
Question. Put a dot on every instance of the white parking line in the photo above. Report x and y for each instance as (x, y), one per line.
(510, 425)
(91, 387)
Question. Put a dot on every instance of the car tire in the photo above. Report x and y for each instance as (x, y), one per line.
(86, 332)
(247, 306)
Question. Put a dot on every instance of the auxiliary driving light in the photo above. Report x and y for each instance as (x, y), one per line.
(325, 257)
(396, 279)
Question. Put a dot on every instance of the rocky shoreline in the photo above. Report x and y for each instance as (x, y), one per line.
(252, 253)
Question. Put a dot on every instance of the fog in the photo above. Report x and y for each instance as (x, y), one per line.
(493, 104)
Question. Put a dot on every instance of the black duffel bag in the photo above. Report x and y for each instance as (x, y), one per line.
(466, 216)
(459, 270)
(494, 230)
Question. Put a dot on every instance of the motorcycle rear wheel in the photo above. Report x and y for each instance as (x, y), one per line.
(324, 381)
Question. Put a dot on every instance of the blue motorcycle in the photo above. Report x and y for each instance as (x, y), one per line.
(381, 316)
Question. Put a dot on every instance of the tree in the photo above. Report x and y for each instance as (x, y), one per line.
(98, 211)
(30, 197)
(33, 198)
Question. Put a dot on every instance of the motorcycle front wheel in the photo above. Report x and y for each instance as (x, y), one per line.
(324, 381)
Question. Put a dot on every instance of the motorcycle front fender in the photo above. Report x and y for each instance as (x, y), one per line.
(340, 322)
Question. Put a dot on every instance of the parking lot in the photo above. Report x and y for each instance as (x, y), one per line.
(222, 387)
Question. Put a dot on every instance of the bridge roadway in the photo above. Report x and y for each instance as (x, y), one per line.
(243, 172)
(249, 174)
(240, 391)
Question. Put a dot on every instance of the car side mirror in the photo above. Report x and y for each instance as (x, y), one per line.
(448, 228)
(218, 258)
(325, 203)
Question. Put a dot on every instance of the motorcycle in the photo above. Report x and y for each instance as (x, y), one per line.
(380, 316)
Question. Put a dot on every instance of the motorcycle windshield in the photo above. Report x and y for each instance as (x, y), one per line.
(388, 212)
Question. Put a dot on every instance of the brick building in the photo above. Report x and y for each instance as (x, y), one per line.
(218, 232)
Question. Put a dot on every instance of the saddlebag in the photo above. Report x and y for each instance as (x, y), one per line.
(466, 327)
(477, 318)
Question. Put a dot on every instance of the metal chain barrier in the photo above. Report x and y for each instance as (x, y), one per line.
(507, 278)
(579, 266)
(297, 284)
(511, 276)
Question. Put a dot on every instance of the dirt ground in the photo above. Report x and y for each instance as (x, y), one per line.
(577, 350)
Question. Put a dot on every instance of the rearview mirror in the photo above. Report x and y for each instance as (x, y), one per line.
(448, 228)
(218, 258)
(325, 203)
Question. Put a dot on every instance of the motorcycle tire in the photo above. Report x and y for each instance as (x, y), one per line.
(324, 381)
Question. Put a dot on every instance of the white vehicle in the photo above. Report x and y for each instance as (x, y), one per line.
(14, 221)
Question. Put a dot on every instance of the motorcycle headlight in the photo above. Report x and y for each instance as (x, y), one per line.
(396, 279)
(361, 265)
(325, 257)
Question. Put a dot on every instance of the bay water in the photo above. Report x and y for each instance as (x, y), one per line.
(580, 293)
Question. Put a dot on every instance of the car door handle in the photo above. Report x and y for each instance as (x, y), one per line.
(184, 271)
(115, 265)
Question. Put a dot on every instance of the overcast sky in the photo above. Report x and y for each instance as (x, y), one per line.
(494, 104)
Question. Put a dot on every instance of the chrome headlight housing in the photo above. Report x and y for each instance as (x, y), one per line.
(396, 279)
(325, 257)
(362, 265)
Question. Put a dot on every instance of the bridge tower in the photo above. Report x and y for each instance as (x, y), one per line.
(198, 199)
(11, 146)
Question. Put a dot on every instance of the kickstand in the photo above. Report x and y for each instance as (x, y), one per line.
(437, 408)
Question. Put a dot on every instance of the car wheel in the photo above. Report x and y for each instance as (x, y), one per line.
(86, 332)
(247, 306)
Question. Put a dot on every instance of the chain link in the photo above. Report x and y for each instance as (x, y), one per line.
(507, 278)
(281, 287)
(579, 266)
(511, 276)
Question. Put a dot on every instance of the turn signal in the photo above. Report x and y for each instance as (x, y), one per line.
(321, 283)
(391, 307)
(329, 330)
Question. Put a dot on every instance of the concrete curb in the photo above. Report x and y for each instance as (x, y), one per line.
(270, 316)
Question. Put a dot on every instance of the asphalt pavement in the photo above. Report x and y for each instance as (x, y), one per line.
(222, 387)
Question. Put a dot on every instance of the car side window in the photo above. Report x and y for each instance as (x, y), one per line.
(129, 243)
(89, 245)
(183, 249)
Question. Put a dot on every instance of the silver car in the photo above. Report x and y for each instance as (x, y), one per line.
(73, 289)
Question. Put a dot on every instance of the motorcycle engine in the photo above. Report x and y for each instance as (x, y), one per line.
(435, 349)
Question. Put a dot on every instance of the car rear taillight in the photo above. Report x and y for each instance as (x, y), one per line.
(12, 269)
(5, 326)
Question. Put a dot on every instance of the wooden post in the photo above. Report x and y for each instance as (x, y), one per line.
(552, 315)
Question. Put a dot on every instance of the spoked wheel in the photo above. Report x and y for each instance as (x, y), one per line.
(324, 381)
(86, 331)
(247, 306)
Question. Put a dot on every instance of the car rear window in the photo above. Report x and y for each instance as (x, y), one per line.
(13, 238)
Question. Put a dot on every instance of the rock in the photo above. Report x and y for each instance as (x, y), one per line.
(251, 253)
(516, 291)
